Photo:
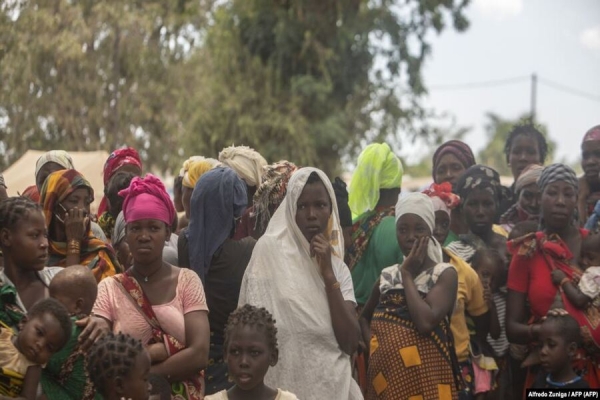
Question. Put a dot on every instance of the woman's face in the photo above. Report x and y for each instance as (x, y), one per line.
(186, 199)
(449, 169)
(479, 211)
(314, 210)
(590, 160)
(146, 239)
(44, 172)
(409, 228)
(28, 241)
(559, 200)
(442, 226)
(524, 151)
(529, 198)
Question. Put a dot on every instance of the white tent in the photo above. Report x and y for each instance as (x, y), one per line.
(20, 175)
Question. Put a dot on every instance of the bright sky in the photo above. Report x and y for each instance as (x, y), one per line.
(559, 40)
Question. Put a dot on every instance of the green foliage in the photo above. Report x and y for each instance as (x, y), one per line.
(497, 129)
(308, 80)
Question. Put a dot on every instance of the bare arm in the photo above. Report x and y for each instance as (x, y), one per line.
(191, 360)
(517, 330)
(31, 382)
(575, 295)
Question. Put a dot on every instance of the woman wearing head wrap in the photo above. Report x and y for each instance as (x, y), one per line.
(52, 161)
(219, 199)
(161, 305)
(412, 352)
(525, 146)
(527, 207)
(297, 273)
(247, 163)
(267, 198)
(589, 183)
(118, 182)
(469, 298)
(65, 197)
(450, 161)
(542, 264)
(373, 192)
(32, 193)
(126, 159)
(192, 170)
(479, 189)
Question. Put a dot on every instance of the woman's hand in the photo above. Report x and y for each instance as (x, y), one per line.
(158, 352)
(76, 224)
(321, 249)
(557, 276)
(412, 264)
(95, 328)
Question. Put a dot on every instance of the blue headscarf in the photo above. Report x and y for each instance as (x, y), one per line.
(218, 199)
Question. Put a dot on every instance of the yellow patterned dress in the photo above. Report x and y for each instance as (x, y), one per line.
(405, 364)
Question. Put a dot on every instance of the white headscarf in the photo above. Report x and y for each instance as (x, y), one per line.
(285, 279)
(420, 204)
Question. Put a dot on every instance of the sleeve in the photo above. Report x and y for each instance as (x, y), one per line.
(475, 305)
(192, 292)
(104, 305)
(518, 273)
(342, 273)
(590, 282)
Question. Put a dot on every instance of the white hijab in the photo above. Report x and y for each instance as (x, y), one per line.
(283, 278)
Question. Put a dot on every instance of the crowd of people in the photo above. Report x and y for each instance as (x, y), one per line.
(274, 281)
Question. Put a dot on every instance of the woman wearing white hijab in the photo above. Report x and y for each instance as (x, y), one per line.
(297, 273)
(411, 347)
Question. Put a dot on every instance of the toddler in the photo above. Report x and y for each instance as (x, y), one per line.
(250, 349)
(46, 329)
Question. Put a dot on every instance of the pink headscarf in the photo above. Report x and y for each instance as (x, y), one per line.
(592, 134)
(147, 198)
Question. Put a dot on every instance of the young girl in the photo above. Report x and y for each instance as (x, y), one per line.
(46, 329)
(588, 289)
(250, 348)
(560, 337)
(119, 367)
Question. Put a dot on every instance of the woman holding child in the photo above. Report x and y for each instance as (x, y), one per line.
(155, 302)
(557, 247)
(298, 274)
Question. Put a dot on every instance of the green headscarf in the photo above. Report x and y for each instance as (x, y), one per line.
(378, 168)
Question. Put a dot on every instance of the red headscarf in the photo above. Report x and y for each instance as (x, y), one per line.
(592, 134)
(32, 193)
(147, 198)
(116, 160)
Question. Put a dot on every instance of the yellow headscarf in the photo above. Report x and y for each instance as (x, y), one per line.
(378, 168)
(196, 169)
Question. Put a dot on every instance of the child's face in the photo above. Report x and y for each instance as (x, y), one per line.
(489, 272)
(29, 241)
(555, 353)
(249, 356)
(590, 258)
(40, 338)
(135, 386)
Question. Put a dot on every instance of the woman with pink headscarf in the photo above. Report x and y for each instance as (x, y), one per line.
(126, 159)
(160, 304)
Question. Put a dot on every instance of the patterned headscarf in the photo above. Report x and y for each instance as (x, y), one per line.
(478, 177)
(378, 168)
(147, 198)
(530, 175)
(592, 134)
(116, 160)
(32, 193)
(59, 157)
(442, 197)
(95, 254)
(218, 199)
(271, 192)
(558, 173)
(246, 162)
(196, 168)
(458, 149)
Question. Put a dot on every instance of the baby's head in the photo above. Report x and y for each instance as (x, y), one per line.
(590, 251)
(250, 345)
(560, 336)
(523, 228)
(489, 265)
(47, 328)
(76, 288)
(119, 366)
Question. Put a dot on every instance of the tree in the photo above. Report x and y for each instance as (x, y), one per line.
(497, 130)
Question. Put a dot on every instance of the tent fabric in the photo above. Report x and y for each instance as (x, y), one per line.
(21, 174)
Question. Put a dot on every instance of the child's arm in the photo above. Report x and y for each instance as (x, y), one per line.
(31, 382)
(574, 295)
(495, 328)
